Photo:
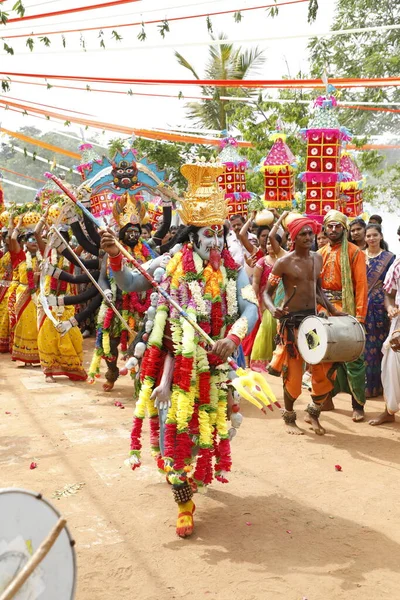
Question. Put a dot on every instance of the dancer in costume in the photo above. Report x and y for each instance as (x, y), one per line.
(183, 385)
(391, 348)
(25, 348)
(344, 281)
(59, 354)
(133, 305)
(377, 323)
(299, 269)
(6, 274)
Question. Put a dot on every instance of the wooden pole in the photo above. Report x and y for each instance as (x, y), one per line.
(34, 561)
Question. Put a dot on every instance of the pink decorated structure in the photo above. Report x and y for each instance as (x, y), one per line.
(279, 173)
(351, 194)
(233, 180)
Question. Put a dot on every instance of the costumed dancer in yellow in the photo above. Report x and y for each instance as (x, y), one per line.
(184, 387)
(6, 273)
(25, 348)
(60, 353)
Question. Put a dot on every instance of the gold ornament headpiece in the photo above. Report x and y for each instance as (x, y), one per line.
(129, 209)
(204, 203)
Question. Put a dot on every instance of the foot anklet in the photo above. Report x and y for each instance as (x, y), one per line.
(289, 416)
(314, 410)
(182, 493)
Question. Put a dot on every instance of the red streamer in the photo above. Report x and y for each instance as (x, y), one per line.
(70, 10)
(231, 83)
(21, 175)
(210, 14)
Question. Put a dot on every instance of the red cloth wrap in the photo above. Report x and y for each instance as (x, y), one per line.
(116, 262)
(296, 226)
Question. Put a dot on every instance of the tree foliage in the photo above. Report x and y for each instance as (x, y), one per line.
(224, 62)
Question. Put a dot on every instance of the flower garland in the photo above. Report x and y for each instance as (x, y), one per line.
(197, 414)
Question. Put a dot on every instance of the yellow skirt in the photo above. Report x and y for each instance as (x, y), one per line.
(4, 321)
(25, 346)
(61, 355)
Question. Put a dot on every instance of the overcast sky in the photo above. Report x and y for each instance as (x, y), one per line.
(153, 58)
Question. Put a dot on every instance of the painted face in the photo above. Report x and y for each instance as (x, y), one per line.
(31, 244)
(334, 231)
(131, 236)
(208, 238)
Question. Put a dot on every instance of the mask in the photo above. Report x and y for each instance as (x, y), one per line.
(209, 238)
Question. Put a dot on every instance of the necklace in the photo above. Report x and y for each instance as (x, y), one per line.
(373, 255)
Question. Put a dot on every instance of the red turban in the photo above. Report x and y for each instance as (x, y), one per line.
(297, 225)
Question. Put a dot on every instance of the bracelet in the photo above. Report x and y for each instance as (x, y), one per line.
(396, 331)
(73, 322)
(116, 262)
(234, 338)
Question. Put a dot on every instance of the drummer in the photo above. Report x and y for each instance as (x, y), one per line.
(344, 281)
(299, 271)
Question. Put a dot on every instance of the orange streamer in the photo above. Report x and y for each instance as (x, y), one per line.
(70, 10)
(29, 140)
(149, 134)
(22, 175)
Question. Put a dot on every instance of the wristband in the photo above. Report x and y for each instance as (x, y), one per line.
(73, 322)
(234, 338)
(116, 262)
(60, 301)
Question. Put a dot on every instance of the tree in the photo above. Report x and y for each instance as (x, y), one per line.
(224, 62)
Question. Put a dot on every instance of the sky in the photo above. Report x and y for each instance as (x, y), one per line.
(153, 58)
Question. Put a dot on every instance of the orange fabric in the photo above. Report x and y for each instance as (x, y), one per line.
(29, 140)
(292, 369)
(70, 10)
(331, 275)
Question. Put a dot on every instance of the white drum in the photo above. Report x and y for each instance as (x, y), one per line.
(335, 339)
(26, 520)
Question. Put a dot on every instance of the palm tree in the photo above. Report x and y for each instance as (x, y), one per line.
(224, 62)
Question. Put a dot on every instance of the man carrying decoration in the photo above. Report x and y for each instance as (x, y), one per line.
(190, 440)
(299, 271)
(344, 282)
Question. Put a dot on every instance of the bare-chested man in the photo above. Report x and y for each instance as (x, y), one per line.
(299, 271)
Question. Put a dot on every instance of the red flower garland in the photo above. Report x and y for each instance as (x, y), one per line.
(169, 439)
(217, 319)
(203, 473)
(182, 450)
(136, 434)
(188, 260)
(137, 304)
(204, 388)
(155, 433)
(185, 374)
(224, 460)
(108, 318)
(229, 261)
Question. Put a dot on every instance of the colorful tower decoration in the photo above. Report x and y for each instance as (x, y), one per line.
(1, 192)
(233, 180)
(351, 201)
(324, 138)
(279, 169)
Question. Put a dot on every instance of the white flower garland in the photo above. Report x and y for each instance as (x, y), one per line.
(231, 298)
(197, 295)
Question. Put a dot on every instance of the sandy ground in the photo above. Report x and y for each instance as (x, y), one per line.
(287, 526)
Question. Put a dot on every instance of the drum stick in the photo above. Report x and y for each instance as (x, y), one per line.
(285, 304)
(34, 561)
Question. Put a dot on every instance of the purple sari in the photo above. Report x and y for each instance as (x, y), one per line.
(377, 323)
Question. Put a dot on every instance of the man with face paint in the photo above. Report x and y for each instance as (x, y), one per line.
(183, 383)
(344, 281)
(299, 271)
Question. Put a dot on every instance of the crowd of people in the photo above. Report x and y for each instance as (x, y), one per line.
(249, 287)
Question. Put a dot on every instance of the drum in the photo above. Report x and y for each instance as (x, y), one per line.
(332, 339)
(26, 520)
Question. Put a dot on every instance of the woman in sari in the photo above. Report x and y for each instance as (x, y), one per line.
(24, 347)
(377, 322)
(60, 354)
(263, 345)
(6, 273)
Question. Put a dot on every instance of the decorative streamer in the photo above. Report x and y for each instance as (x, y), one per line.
(70, 10)
(29, 140)
(206, 98)
(231, 83)
(22, 175)
(154, 21)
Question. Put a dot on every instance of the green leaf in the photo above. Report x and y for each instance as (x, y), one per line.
(67, 123)
(47, 117)
(312, 10)
(102, 44)
(3, 17)
(142, 34)
(64, 43)
(116, 35)
(19, 8)
(45, 40)
(209, 25)
(49, 86)
(164, 28)
(238, 16)
(30, 43)
(25, 152)
(89, 89)
(82, 42)
(8, 49)
(5, 85)
(129, 92)
(24, 113)
(180, 96)
(34, 155)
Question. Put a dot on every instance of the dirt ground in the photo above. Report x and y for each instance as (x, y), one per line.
(287, 526)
